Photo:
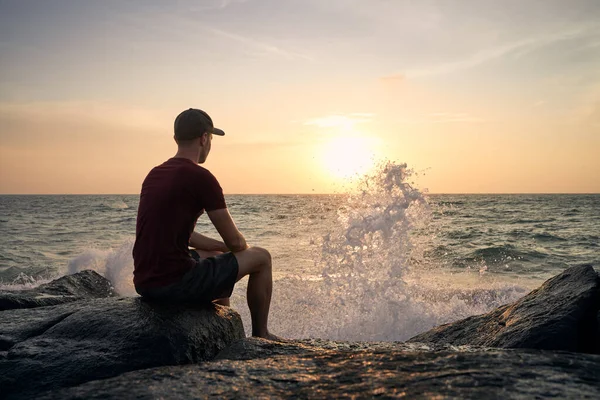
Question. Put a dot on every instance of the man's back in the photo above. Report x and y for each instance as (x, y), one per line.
(173, 196)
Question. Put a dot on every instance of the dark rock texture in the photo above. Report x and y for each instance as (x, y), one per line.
(130, 348)
(82, 285)
(254, 348)
(300, 372)
(53, 347)
(559, 315)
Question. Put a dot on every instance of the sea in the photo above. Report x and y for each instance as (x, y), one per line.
(382, 260)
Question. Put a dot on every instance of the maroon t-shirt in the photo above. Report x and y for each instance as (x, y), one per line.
(173, 196)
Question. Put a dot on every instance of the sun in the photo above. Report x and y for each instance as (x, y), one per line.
(346, 157)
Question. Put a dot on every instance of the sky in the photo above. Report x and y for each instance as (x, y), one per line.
(476, 96)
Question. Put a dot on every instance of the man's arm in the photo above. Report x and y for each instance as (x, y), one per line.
(201, 242)
(233, 238)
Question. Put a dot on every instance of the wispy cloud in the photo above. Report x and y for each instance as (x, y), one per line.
(442, 118)
(82, 112)
(452, 117)
(393, 78)
(347, 121)
(517, 48)
(216, 5)
(258, 46)
(185, 27)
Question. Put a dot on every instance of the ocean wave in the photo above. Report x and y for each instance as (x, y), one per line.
(461, 234)
(372, 284)
(116, 265)
(268, 233)
(304, 308)
(532, 220)
(16, 278)
(503, 253)
(547, 237)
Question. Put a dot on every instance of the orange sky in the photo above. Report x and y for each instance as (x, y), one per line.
(490, 101)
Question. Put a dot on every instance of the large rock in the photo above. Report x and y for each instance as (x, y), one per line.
(53, 347)
(295, 370)
(82, 285)
(559, 315)
(253, 348)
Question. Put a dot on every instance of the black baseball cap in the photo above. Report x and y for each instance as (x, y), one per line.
(193, 123)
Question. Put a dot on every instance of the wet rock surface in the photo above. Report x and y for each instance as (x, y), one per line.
(58, 346)
(559, 315)
(82, 285)
(254, 348)
(130, 348)
(303, 370)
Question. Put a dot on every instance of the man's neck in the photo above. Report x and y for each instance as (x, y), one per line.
(190, 154)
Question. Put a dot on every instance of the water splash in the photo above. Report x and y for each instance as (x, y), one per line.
(117, 205)
(115, 265)
(23, 281)
(376, 282)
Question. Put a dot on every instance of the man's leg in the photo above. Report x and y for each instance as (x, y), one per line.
(205, 254)
(256, 262)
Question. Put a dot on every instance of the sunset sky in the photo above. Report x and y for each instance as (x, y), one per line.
(478, 96)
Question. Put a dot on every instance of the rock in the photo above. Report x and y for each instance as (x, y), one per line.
(253, 348)
(53, 347)
(598, 331)
(363, 373)
(559, 315)
(82, 285)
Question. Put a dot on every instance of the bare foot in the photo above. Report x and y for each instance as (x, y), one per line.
(270, 336)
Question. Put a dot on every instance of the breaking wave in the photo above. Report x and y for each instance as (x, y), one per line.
(375, 282)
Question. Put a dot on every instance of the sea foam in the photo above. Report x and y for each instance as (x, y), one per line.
(376, 283)
(115, 265)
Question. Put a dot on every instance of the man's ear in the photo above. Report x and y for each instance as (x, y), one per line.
(204, 138)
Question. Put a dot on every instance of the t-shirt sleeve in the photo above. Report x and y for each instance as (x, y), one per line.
(211, 193)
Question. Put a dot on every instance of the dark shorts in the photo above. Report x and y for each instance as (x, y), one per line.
(210, 279)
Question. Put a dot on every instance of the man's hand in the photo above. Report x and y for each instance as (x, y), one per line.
(233, 238)
(201, 242)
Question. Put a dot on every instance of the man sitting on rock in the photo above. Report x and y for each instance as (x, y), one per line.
(173, 196)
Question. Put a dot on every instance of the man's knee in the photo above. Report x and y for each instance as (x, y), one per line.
(252, 260)
(264, 254)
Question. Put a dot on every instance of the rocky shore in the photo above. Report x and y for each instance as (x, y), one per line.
(74, 339)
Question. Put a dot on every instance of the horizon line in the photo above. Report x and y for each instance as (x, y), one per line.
(307, 194)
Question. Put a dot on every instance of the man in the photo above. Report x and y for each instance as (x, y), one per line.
(173, 196)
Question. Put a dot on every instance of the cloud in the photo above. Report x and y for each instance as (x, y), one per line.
(17, 119)
(343, 121)
(452, 117)
(190, 26)
(216, 5)
(517, 48)
(444, 117)
(393, 78)
(259, 46)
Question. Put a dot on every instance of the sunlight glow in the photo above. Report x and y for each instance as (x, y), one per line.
(348, 157)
